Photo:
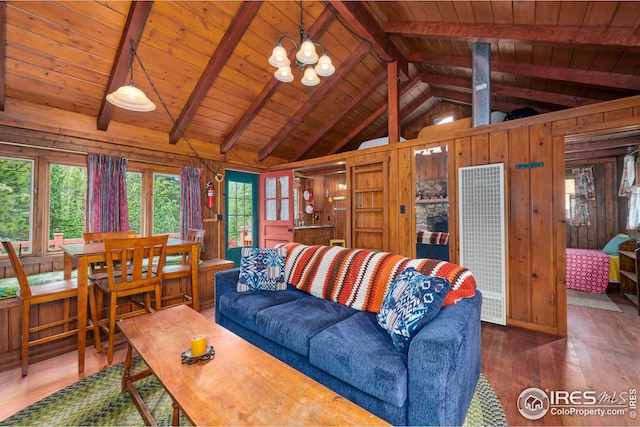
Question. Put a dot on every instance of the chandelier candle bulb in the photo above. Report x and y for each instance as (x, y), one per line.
(198, 345)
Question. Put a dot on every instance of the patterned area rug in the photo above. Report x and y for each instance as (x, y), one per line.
(591, 300)
(98, 401)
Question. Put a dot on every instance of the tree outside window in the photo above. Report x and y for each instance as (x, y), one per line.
(166, 204)
(16, 199)
(67, 202)
(134, 201)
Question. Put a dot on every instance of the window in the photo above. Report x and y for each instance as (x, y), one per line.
(569, 193)
(441, 120)
(166, 204)
(16, 199)
(134, 201)
(67, 203)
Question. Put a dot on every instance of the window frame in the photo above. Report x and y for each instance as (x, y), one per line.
(33, 198)
(42, 158)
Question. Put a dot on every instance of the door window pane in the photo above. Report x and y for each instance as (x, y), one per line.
(276, 198)
(16, 199)
(240, 210)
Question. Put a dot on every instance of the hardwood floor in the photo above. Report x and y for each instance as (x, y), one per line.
(599, 354)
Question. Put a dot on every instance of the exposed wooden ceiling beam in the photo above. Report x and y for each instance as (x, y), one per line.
(321, 92)
(371, 87)
(317, 28)
(356, 16)
(237, 27)
(455, 96)
(417, 103)
(514, 92)
(136, 20)
(595, 155)
(408, 110)
(565, 74)
(602, 144)
(366, 122)
(571, 35)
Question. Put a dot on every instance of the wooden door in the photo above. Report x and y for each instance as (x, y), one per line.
(369, 202)
(276, 208)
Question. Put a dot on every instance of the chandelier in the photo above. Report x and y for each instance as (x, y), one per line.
(307, 59)
(128, 96)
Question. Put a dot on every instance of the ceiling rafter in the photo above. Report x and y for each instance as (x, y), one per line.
(136, 20)
(366, 122)
(371, 87)
(567, 35)
(409, 109)
(457, 97)
(547, 72)
(317, 28)
(237, 27)
(514, 92)
(360, 20)
(321, 92)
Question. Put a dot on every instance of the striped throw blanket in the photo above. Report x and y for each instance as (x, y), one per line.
(359, 278)
(433, 237)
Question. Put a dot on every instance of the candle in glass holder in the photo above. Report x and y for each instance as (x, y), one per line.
(198, 345)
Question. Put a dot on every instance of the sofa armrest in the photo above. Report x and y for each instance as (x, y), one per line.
(226, 282)
(444, 365)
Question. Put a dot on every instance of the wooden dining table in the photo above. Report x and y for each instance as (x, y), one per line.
(87, 253)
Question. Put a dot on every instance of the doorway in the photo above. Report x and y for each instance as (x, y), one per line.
(241, 212)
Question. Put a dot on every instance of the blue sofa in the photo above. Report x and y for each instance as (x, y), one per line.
(346, 350)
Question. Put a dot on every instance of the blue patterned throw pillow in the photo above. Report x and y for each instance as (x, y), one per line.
(410, 303)
(262, 269)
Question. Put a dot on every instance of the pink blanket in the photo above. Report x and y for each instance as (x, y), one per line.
(587, 270)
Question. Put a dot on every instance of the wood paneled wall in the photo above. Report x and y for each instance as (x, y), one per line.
(535, 212)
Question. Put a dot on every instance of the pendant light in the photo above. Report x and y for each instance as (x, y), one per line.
(128, 96)
(306, 58)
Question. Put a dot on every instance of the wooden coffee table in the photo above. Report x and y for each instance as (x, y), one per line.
(240, 385)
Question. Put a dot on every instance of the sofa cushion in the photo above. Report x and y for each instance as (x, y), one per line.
(292, 324)
(243, 307)
(413, 300)
(262, 269)
(360, 353)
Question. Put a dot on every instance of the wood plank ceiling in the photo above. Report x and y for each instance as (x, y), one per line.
(205, 66)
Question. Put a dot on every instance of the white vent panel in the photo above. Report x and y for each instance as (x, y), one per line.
(482, 235)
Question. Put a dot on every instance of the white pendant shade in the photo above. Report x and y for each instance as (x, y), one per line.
(324, 67)
(131, 98)
(307, 59)
(279, 57)
(284, 74)
(307, 53)
(310, 77)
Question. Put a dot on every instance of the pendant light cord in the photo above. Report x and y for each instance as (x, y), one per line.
(220, 163)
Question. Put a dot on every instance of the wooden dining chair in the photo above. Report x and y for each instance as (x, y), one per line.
(143, 278)
(31, 297)
(181, 272)
(98, 270)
